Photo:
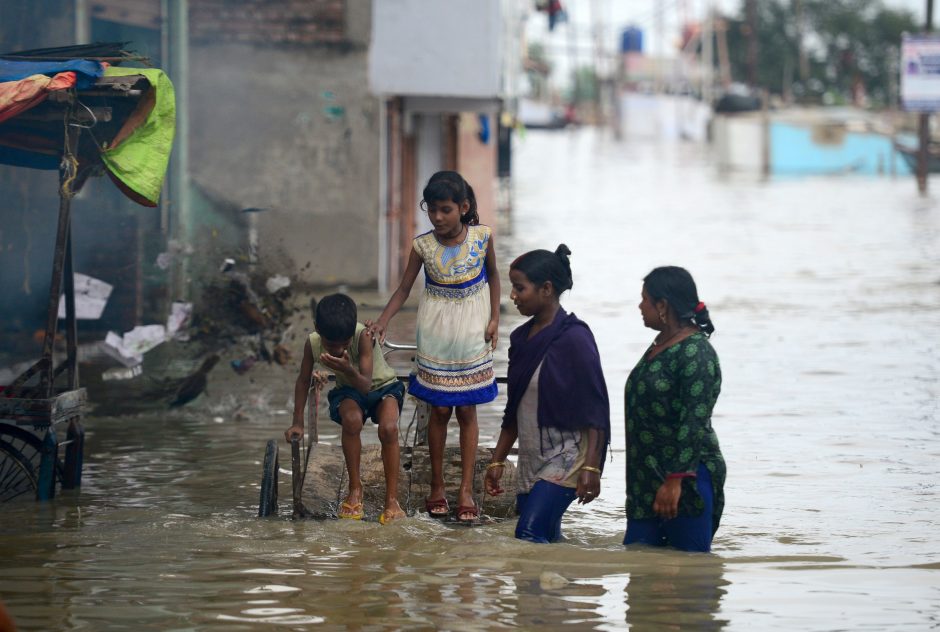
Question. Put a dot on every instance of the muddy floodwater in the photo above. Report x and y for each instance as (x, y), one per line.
(826, 297)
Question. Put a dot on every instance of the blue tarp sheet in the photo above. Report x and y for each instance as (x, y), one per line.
(86, 70)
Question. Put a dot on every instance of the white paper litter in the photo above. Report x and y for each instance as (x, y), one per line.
(180, 314)
(277, 282)
(91, 297)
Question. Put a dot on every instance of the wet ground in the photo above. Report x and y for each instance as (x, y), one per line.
(826, 297)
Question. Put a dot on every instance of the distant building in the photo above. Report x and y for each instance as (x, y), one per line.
(444, 71)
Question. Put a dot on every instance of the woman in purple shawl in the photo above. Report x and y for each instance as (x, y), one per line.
(558, 407)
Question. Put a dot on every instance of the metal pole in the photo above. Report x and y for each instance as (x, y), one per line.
(181, 224)
(923, 124)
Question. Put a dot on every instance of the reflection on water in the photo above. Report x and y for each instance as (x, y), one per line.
(826, 295)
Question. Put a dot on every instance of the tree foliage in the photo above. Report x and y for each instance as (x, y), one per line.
(851, 48)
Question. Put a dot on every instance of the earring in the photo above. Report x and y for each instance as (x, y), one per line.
(662, 317)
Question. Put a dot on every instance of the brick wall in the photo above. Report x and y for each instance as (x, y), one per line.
(268, 21)
(245, 21)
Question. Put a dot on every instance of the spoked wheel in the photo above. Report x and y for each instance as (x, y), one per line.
(268, 501)
(19, 463)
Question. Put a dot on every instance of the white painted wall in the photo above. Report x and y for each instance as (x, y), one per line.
(738, 141)
(436, 48)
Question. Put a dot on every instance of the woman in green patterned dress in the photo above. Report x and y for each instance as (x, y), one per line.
(675, 471)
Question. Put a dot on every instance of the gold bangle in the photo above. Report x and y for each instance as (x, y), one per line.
(589, 468)
(496, 464)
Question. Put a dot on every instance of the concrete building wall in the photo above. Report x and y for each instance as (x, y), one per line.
(429, 47)
(292, 129)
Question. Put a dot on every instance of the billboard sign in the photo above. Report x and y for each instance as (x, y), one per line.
(920, 73)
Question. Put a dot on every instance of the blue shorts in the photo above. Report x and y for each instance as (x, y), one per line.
(368, 404)
(540, 511)
(686, 533)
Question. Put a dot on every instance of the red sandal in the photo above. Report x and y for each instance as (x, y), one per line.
(468, 509)
(433, 507)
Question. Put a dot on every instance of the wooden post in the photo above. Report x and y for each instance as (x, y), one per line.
(74, 455)
(71, 326)
(67, 174)
(923, 124)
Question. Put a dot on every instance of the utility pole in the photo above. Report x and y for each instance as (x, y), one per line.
(751, 9)
(708, 56)
(923, 124)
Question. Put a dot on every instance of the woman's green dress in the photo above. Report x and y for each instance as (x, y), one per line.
(669, 402)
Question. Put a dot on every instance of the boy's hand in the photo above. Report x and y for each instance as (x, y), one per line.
(492, 333)
(376, 329)
(319, 378)
(339, 364)
(294, 432)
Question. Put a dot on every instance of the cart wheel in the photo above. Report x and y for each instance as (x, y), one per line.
(19, 461)
(268, 502)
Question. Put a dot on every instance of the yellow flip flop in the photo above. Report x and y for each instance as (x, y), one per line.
(354, 511)
(383, 520)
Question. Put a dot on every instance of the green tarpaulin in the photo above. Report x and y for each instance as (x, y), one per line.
(138, 157)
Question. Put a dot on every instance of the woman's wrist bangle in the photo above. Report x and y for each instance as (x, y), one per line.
(496, 464)
(588, 468)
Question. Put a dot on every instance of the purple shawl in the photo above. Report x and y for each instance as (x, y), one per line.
(572, 390)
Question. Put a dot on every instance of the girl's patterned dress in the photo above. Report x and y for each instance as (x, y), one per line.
(669, 402)
(454, 362)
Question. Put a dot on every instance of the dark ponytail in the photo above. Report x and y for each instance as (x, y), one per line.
(676, 286)
(450, 185)
(540, 266)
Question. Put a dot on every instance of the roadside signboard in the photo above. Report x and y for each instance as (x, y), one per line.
(920, 73)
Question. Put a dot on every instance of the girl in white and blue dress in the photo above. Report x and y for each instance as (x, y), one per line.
(458, 319)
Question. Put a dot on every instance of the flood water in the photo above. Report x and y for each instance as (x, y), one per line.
(826, 298)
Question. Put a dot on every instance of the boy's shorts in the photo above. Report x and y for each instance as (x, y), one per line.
(369, 404)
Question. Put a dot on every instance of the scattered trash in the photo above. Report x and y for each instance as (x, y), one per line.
(281, 355)
(164, 259)
(218, 420)
(143, 338)
(114, 347)
(277, 282)
(122, 373)
(242, 366)
(174, 248)
(180, 314)
(227, 265)
(91, 296)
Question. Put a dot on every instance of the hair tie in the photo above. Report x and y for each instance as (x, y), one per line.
(699, 307)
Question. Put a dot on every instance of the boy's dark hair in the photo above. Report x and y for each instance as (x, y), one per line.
(450, 185)
(335, 317)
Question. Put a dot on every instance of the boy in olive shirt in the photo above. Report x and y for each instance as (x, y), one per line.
(366, 388)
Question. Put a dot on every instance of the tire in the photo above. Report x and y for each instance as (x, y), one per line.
(19, 463)
(268, 501)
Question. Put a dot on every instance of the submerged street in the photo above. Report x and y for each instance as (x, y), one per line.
(825, 294)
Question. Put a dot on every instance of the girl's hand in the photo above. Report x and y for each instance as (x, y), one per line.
(666, 505)
(376, 329)
(589, 486)
(491, 481)
(492, 333)
(339, 364)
